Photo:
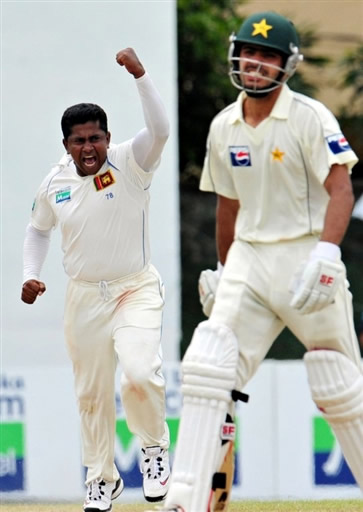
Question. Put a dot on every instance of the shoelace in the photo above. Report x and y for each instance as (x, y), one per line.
(153, 466)
(95, 490)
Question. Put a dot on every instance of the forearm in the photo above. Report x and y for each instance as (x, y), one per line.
(226, 213)
(36, 245)
(149, 142)
(224, 241)
(339, 210)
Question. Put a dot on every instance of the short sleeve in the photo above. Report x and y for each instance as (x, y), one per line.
(215, 177)
(42, 216)
(326, 143)
(122, 156)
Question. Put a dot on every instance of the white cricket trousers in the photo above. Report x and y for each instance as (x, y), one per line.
(253, 299)
(110, 322)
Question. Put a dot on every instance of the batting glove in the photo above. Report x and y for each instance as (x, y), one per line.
(207, 286)
(315, 286)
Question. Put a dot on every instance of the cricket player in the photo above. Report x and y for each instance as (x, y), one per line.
(98, 195)
(280, 167)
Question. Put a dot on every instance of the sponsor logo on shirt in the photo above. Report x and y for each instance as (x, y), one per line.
(240, 156)
(63, 195)
(338, 143)
(104, 180)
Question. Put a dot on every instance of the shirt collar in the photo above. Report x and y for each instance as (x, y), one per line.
(282, 106)
(280, 109)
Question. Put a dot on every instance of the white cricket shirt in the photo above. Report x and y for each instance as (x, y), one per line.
(103, 218)
(277, 169)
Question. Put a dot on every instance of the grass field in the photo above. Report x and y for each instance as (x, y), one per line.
(242, 506)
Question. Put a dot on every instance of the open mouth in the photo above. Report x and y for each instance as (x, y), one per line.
(89, 161)
(254, 74)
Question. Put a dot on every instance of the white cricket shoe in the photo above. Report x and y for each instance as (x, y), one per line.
(100, 494)
(156, 473)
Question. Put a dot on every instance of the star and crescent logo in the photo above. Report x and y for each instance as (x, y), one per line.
(261, 28)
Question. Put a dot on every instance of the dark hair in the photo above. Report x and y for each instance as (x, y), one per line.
(81, 114)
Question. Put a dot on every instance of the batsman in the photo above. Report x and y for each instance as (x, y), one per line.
(280, 167)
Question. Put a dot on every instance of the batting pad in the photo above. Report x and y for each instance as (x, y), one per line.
(209, 374)
(336, 385)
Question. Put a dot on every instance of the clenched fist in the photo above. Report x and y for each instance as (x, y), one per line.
(129, 59)
(31, 290)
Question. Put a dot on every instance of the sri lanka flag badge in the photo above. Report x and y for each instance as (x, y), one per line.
(104, 180)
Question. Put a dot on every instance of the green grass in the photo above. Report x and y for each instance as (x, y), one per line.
(241, 506)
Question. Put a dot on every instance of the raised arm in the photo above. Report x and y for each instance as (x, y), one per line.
(148, 144)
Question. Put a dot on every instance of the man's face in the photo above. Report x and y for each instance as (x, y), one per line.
(87, 144)
(259, 66)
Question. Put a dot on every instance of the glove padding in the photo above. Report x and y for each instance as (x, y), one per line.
(207, 287)
(317, 285)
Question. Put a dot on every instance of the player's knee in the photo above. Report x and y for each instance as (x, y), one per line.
(139, 376)
(210, 364)
(336, 384)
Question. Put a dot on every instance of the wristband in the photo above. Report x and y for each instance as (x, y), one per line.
(326, 250)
